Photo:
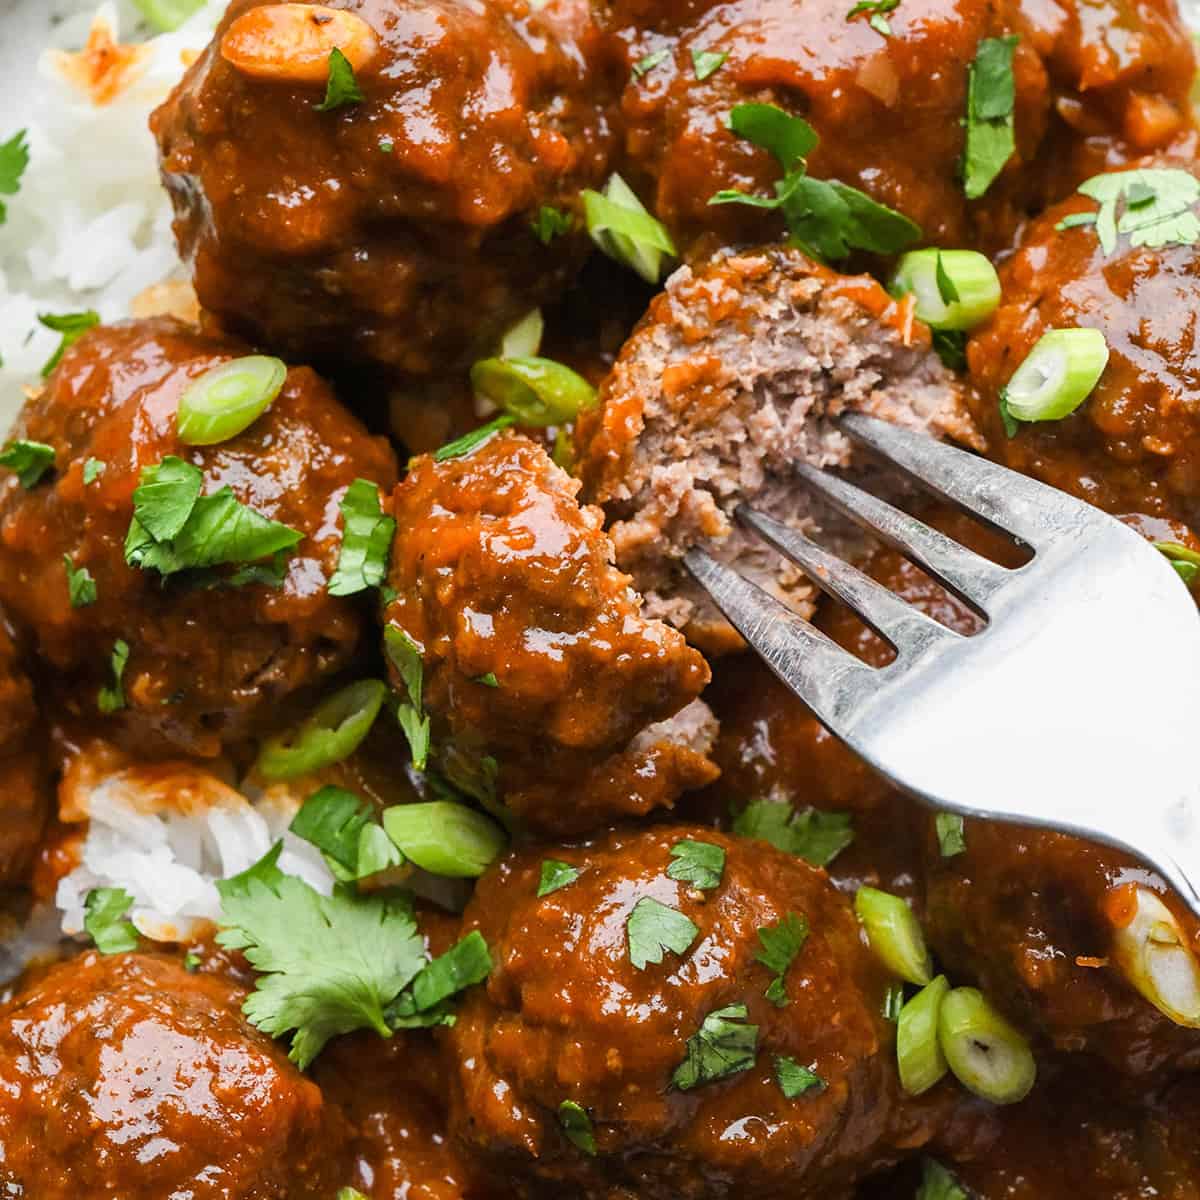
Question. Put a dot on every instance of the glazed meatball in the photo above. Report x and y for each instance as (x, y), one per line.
(370, 230)
(535, 651)
(24, 799)
(1133, 446)
(125, 1076)
(568, 1016)
(737, 370)
(204, 666)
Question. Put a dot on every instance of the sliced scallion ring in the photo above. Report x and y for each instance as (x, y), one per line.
(1057, 376)
(918, 1051)
(1183, 558)
(895, 935)
(537, 391)
(333, 732)
(954, 289)
(619, 224)
(523, 339)
(445, 838)
(987, 1055)
(230, 397)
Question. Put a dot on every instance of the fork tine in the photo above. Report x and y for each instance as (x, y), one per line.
(830, 680)
(909, 630)
(969, 575)
(1013, 503)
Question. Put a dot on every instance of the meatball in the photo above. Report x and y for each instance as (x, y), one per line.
(567, 1016)
(736, 371)
(1133, 446)
(369, 231)
(128, 1077)
(24, 798)
(535, 653)
(202, 668)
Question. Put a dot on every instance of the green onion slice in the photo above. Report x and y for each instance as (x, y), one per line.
(1058, 375)
(895, 934)
(954, 289)
(918, 1052)
(536, 391)
(525, 337)
(230, 397)
(619, 224)
(987, 1055)
(445, 838)
(333, 732)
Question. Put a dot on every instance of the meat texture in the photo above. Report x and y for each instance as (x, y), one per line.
(536, 656)
(24, 795)
(205, 666)
(739, 369)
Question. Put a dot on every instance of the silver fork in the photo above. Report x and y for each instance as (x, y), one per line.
(1077, 707)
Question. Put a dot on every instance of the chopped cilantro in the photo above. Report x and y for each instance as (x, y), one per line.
(191, 962)
(92, 470)
(794, 1080)
(826, 218)
(405, 655)
(721, 1046)
(951, 838)
(488, 680)
(550, 223)
(72, 326)
(81, 587)
(474, 439)
(648, 62)
(1158, 211)
(14, 158)
(577, 1126)
(780, 945)
(366, 541)
(1075, 220)
(104, 920)
(341, 88)
(343, 827)
(876, 8)
(349, 1193)
(816, 836)
(465, 964)
(951, 347)
(991, 97)
(555, 875)
(110, 699)
(697, 863)
(653, 928)
(707, 62)
(938, 1184)
(1010, 423)
(945, 285)
(30, 460)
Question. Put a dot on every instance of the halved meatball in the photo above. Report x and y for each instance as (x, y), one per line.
(204, 666)
(370, 230)
(536, 654)
(738, 369)
(24, 795)
(126, 1076)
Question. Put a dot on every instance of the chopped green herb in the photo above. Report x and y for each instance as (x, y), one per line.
(386, 146)
(550, 223)
(707, 62)
(653, 928)
(405, 655)
(876, 8)
(110, 699)
(104, 920)
(191, 962)
(794, 1080)
(893, 1001)
(951, 347)
(991, 97)
(417, 731)
(81, 587)
(951, 838)
(1076, 220)
(1010, 423)
(72, 326)
(465, 964)
(555, 875)
(14, 158)
(92, 470)
(697, 863)
(721, 1046)
(350, 1193)
(577, 1126)
(366, 541)
(167, 15)
(30, 460)
(341, 88)
(780, 945)
(945, 285)
(816, 836)
(488, 680)
(1159, 207)
(474, 439)
(938, 1184)
(648, 62)
(343, 827)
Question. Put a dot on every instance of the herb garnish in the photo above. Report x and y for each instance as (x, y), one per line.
(72, 326)
(81, 587)
(721, 1046)
(474, 439)
(951, 347)
(577, 1126)
(938, 1184)
(30, 460)
(697, 863)
(550, 223)
(876, 8)
(707, 62)
(366, 541)
(104, 920)
(1184, 559)
(555, 875)
(112, 698)
(344, 828)
(951, 838)
(991, 98)
(423, 1002)
(341, 88)
(653, 928)
(794, 1080)
(648, 62)
(1158, 207)
(780, 945)
(92, 470)
(816, 836)
(407, 656)
(14, 158)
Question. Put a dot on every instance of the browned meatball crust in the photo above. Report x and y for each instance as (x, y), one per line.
(204, 666)
(566, 1016)
(535, 651)
(24, 795)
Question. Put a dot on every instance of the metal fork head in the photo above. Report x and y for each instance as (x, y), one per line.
(1077, 707)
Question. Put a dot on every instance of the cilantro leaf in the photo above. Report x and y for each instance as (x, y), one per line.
(697, 863)
(653, 928)
(14, 158)
(30, 460)
(951, 347)
(816, 836)
(945, 285)
(938, 1184)
(488, 680)
(876, 8)
(81, 587)
(111, 699)
(1010, 423)
(465, 964)
(720, 1047)
(366, 541)
(92, 470)
(648, 62)
(1159, 207)
(550, 223)
(577, 1125)
(780, 945)
(72, 326)
(789, 139)
(165, 496)
(405, 654)
(417, 731)
(341, 88)
(104, 920)
(328, 964)
(555, 875)
(340, 825)
(707, 62)
(474, 439)
(1075, 220)
(951, 837)
(794, 1080)
(991, 97)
